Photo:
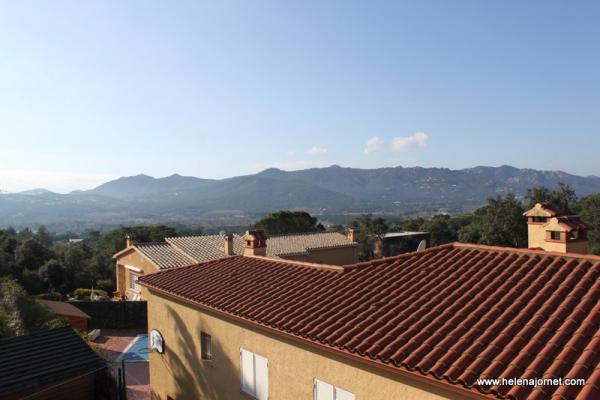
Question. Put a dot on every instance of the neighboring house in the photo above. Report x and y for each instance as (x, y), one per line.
(138, 259)
(394, 243)
(421, 325)
(49, 364)
(548, 230)
(76, 318)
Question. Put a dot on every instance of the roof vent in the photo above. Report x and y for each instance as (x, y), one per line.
(228, 244)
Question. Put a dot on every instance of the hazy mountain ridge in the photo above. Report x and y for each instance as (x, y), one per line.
(331, 190)
(141, 185)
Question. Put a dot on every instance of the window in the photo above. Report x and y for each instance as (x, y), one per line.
(206, 346)
(133, 282)
(555, 235)
(574, 235)
(539, 219)
(254, 375)
(325, 391)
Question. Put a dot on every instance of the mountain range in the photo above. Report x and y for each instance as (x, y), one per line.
(326, 191)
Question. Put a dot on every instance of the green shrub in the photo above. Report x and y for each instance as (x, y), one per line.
(84, 294)
(54, 296)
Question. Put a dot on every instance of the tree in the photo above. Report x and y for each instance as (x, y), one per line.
(499, 223)
(43, 236)
(53, 275)
(370, 232)
(561, 198)
(114, 241)
(589, 210)
(76, 259)
(32, 281)
(31, 254)
(8, 245)
(38, 263)
(21, 314)
(414, 225)
(286, 222)
(443, 228)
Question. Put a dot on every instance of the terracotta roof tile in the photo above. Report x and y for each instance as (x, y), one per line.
(572, 222)
(453, 313)
(64, 309)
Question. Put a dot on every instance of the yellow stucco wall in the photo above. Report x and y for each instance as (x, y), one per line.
(181, 374)
(339, 256)
(134, 259)
(537, 238)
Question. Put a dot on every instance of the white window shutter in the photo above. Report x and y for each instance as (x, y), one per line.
(261, 369)
(323, 391)
(247, 372)
(341, 394)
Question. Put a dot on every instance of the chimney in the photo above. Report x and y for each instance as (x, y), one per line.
(129, 240)
(255, 243)
(352, 234)
(228, 244)
(550, 231)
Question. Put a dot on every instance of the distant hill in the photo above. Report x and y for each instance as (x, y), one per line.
(37, 192)
(323, 191)
(142, 185)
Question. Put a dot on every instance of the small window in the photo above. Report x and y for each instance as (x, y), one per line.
(325, 391)
(133, 282)
(574, 235)
(539, 220)
(254, 375)
(555, 235)
(206, 346)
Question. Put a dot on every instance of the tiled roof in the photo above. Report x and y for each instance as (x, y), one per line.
(304, 243)
(449, 314)
(541, 210)
(212, 247)
(64, 309)
(206, 247)
(44, 357)
(570, 223)
(164, 255)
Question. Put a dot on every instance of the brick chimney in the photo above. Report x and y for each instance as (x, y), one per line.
(255, 243)
(352, 234)
(228, 244)
(129, 240)
(550, 231)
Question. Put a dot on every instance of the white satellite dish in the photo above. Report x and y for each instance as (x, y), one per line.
(156, 341)
(422, 245)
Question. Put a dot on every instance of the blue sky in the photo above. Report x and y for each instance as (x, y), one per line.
(95, 90)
